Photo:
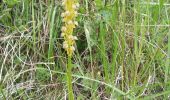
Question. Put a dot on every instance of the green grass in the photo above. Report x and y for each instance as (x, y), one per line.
(122, 52)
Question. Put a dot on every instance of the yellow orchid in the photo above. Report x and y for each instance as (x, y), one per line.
(70, 7)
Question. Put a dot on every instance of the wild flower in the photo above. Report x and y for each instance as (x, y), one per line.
(69, 23)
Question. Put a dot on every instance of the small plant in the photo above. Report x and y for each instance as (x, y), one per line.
(42, 75)
(69, 16)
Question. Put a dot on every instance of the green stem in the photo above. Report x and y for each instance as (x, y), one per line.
(69, 80)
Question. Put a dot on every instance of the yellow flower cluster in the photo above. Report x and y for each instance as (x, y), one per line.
(70, 7)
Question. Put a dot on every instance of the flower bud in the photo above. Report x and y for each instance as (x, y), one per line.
(76, 23)
(63, 29)
(62, 14)
(62, 34)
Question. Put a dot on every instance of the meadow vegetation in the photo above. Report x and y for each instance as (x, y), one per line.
(122, 51)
